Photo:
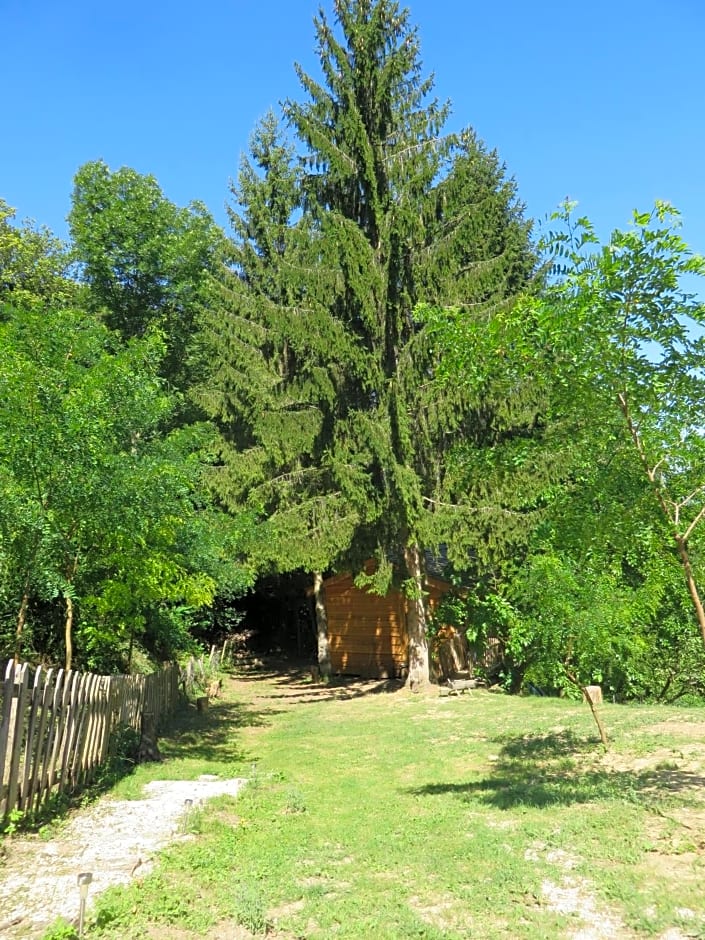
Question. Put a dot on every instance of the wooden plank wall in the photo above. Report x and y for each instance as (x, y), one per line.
(55, 726)
(367, 633)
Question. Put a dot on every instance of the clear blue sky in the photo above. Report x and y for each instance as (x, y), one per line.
(602, 101)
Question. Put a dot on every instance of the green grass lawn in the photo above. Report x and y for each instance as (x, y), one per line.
(391, 815)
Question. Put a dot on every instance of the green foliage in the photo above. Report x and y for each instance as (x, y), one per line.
(321, 385)
(97, 506)
(123, 749)
(628, 348)
(13, 822)
(61, 930)
(33, 264)
(579, 627)
(626, 342)
(146, 261)
(613, 348)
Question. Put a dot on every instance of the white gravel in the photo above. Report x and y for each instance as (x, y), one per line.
(116, 840)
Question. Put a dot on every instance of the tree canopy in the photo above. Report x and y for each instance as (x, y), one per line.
(616, 342)
(108, 538)
(146, 260)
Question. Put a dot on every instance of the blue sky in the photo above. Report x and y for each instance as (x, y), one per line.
(599, 101)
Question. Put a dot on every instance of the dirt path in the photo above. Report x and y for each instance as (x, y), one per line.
(115, 840)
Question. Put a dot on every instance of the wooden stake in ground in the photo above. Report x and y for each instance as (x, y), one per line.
(593, 696)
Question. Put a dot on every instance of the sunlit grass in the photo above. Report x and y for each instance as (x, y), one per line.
(396, 816)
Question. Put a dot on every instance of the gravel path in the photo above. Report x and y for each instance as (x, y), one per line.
(116, 840)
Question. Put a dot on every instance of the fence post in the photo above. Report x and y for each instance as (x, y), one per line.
(43, 744)
(7, 699)
(31, 744)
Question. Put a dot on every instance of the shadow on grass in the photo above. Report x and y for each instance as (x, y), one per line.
(549, 770)
(296, 685)
(541, 747)
(212, 734)
(207, 736)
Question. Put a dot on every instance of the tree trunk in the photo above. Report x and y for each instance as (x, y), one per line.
(21, 620)
(68, 633)
(131, 646)
(149, 748)
(692, 586)
(419, 675)
(324, 663)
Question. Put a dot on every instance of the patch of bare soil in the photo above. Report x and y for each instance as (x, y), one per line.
(572, 895)
(115, 840)
(676, 727)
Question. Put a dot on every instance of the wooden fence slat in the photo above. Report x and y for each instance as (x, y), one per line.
(109, 691)
(70, 728)
(81, 727)
(93, 730)
(103, 718)
(43, 743)
(16, 730)
(7, 698)
(54, 736)
(30, 744)
(82, 720)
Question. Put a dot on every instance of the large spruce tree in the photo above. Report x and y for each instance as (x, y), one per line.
(332, 424)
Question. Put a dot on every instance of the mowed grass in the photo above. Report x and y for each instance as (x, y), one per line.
(380, 814)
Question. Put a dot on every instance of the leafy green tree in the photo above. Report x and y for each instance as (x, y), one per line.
(616, 345)
(34, 264)
(98, 511)
(629, 339)
(146, 260)
(331, 257)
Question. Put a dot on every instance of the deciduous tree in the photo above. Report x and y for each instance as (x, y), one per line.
(146, 260)
(627, 337)
(98, 509)
(615, 342)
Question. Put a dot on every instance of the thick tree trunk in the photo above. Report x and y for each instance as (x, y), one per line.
(68, 633)
(419, 675)
(324, 663)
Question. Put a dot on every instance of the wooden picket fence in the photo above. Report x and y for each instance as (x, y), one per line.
(56, 727)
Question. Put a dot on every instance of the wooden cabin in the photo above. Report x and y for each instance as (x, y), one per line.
(367, 633)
